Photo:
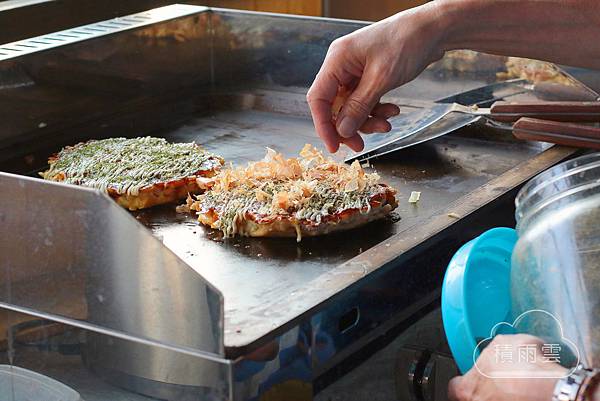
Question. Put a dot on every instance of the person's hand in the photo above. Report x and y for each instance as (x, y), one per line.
(369, 63)
(530, 381)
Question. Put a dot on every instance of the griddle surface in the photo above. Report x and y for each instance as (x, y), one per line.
(263, 280)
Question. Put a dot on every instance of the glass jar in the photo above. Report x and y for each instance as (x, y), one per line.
(556, 261)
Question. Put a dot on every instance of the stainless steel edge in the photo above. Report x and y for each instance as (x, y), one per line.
(45, 42)
(84, 32)
(209, 356)
(290, 16)
(12, 4)
(72, 254)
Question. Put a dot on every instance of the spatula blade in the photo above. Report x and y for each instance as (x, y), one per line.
(407, 125)
(449, 123)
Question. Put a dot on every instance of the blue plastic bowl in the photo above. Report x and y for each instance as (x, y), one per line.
(476, 292)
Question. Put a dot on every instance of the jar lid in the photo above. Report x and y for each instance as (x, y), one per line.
(476, 293)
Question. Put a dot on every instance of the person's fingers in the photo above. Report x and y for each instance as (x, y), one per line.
(358, 106)
(333, 74)
(385, 110)
(462, 388)
(355, 143)
(320, 97)
(454, 389)
(375, 124)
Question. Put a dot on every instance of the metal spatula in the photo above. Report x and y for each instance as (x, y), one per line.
(440, 119)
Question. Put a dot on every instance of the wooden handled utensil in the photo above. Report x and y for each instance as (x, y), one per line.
(553, 111)
(430, 123)
(568, 134)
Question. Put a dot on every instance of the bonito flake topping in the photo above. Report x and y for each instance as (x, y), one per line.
(308, 190)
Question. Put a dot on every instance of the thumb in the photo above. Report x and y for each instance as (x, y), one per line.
(358, 106)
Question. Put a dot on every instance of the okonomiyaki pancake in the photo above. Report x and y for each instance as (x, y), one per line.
(306, 196)
(139, 172)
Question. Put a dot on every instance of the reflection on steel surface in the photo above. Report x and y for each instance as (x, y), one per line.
(82, 247)
(85, 32)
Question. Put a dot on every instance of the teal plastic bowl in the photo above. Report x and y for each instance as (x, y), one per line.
(476, 292)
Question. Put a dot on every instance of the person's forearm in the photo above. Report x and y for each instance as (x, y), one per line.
(560, 31)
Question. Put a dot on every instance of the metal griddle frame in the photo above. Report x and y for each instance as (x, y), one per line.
(234, 82)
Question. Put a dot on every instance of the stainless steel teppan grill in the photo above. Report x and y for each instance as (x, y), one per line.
(170, 310)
